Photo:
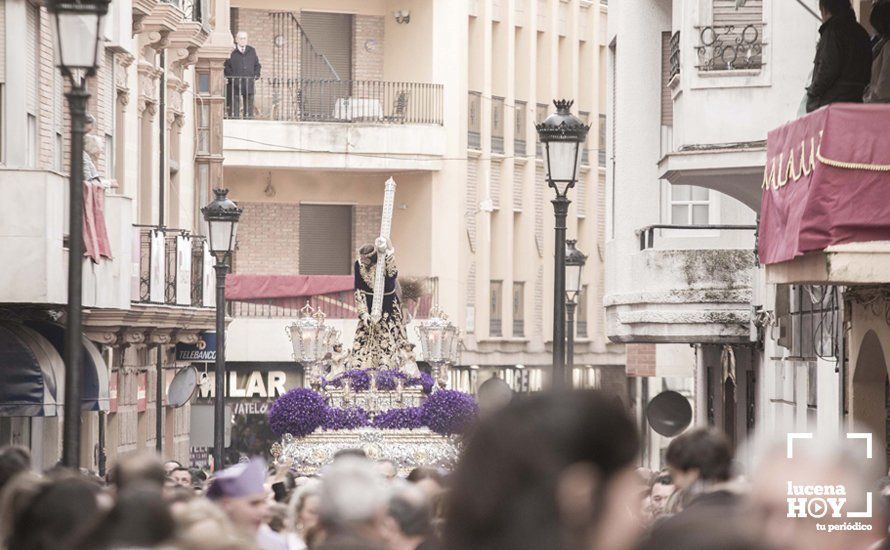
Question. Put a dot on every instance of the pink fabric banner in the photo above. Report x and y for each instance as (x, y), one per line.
(826, 182)
(256, 287)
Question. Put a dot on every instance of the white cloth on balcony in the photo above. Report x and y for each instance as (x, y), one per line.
(358, 108)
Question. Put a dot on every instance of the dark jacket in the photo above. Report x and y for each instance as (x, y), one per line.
(245, 64)
(842, 68)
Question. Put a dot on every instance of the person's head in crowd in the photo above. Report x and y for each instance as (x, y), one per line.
(139, 519)
(137, 468)
(241, 39)
(493, 394)
(705, 529)
(13, 461)
(349, 453)
(554, 470)
(700, 455)
(303, 507)
(171, 465)
(818, 464)
(277, 518)
(51, 513)
(832, 8)
(240, 492)
(429, 480)
(202, 525)
(177, 496)
(662, 489)
(181, 477)
(387, 468)
(410, 519)
(352, 502)
(880, 19)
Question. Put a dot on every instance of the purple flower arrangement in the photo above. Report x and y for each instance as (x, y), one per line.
(359, 380)
(345, 419)
(301, 411)
(449, 412)
(408, 418)
(298, 412)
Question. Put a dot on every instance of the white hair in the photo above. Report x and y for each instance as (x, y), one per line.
(352, 492)
(93, 145)
(239, 33)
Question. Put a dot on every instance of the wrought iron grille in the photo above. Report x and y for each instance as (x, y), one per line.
(675, 56)
(145, 263)
(170, 260)
(519, 128)
(497, 125)
(197, 286)
(730, 48)
(585, 153)
(540, 115)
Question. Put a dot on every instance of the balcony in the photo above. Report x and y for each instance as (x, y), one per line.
(257, 331)
(734, 169)
(333, 124)
(175, 268)
(684, 295)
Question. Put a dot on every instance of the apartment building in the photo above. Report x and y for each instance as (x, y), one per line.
(787, 346)
(152, 293)
(442, 96)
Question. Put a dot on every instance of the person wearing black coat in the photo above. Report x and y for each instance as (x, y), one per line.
(842, 68)
(241, 70)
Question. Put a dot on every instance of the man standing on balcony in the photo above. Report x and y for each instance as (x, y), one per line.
(241, 70)
(842, 68)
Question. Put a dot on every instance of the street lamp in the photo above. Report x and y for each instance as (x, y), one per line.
(575, 261)
(221, 216)
(78, 31)
(312, 340)
(439, 341)
(562, 135)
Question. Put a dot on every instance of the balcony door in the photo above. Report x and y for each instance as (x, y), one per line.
(326, 64)
(325, 239)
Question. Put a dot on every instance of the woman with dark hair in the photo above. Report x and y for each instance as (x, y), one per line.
(878, 90)
(551, 471)
(139, 519)
(54, 513)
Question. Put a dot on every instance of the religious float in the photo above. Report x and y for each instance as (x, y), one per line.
(373, 396)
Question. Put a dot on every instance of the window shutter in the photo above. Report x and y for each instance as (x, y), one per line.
(726, 13)
(667, 103)
(331, 35)
(325, 239)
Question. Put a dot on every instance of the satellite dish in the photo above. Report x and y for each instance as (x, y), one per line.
(669, 413)
(182, 387)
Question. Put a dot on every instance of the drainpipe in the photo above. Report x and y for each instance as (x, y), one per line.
(162, 183)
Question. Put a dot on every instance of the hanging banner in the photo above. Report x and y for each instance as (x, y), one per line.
(826, 182)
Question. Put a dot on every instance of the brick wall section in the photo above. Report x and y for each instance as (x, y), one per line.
(268, 239)
(367, 65)
(365, 225)
(640, 359)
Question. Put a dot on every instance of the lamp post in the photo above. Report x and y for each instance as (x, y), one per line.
(312, 340)
(562, 135)
(439, 340)
(575, 261)
(221, 216)
(79, 32)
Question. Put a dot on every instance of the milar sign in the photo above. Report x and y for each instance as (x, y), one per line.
(270, 384)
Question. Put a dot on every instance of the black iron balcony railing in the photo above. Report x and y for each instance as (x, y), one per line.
(730, 47)
(193, 10)
(497, 125)
(519, 127)
(172, 267)
(312, 100)
(518, 328)
(647, 234)
(336, 305)
(474, 121)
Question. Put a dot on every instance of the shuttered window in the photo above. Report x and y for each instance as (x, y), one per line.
(734, 41)
(325, 239)
(727, 13)
(667, 103)
(331, 35)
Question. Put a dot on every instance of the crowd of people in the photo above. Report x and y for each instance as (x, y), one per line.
(547, 471)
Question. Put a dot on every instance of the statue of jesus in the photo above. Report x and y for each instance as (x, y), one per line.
(376, 342)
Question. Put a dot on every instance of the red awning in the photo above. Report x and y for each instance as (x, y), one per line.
(256, 287)
(826, 182)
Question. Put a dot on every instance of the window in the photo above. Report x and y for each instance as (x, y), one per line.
(519, 129)
(496, 289)
(734, 41)
(59, 153)
(585, 156)
(325, 239)
(581, 314)
(474, 126)
(518, 310)
(690, 205)
(204, 83)
(540, 115)
(497, 125)
(601, 152)
(109, 156)
(203, 128)
(815, 321)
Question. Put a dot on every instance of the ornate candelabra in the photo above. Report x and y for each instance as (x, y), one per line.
(439, 340)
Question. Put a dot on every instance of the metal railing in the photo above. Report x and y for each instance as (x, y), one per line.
(313, 100)
(474, 122)
(730, 47)
(518, 328)
(674, 56)
(172, 266)
(337, 305)
(497, 125)
(647, 234)
(519, 129)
